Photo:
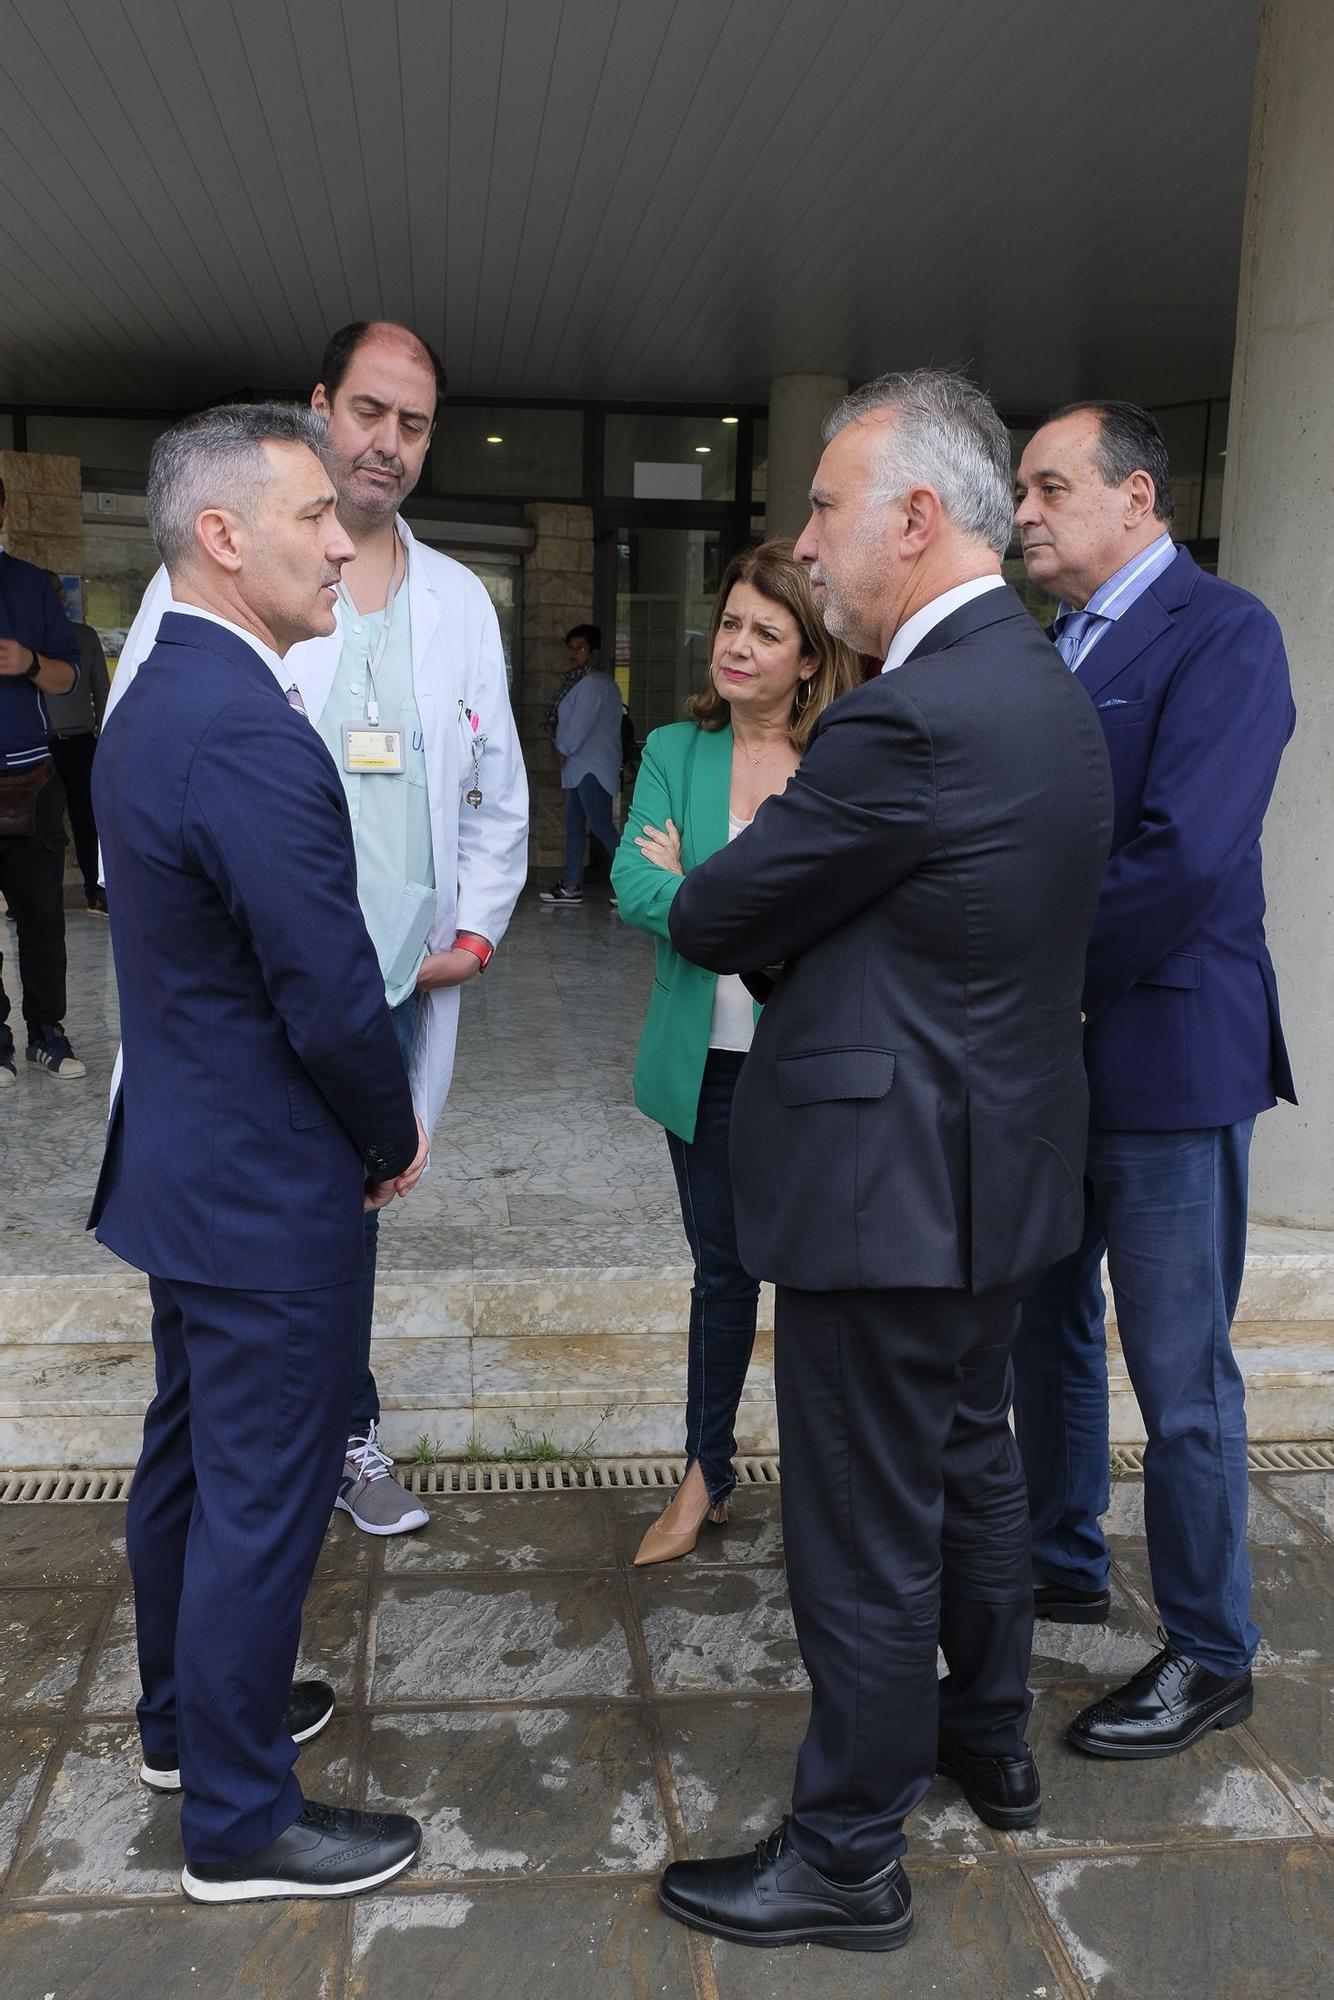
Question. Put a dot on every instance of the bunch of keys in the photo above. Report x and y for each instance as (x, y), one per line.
(477, 746)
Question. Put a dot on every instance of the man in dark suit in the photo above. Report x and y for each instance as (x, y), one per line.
(1184, 1048)
(264, 1102)
(907, 1146)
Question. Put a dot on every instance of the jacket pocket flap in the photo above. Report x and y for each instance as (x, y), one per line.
(1181, 969)
(827, 1074)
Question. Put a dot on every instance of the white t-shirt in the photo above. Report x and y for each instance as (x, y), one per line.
(733, 1023)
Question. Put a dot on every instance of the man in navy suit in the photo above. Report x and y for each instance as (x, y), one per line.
(1184, 1049)
(264, 1103)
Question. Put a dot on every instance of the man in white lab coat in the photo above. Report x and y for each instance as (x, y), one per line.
(410, 696)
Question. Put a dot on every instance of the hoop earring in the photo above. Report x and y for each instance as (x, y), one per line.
(804, 694)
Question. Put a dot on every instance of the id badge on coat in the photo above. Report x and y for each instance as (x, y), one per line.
(372, 749)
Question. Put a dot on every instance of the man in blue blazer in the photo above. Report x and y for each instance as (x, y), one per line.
(264, 1103)
(1184, 1049)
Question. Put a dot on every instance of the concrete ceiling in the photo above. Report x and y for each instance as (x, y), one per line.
(669, 199)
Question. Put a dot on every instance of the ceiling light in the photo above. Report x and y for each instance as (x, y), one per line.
(703, 447)
(495, 438)
(731, 420)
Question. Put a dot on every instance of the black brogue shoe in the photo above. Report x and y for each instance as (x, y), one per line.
(771, 1897)
(310, 1706)
(1004, 1792)
(1064, 1605)
(1168, 1704)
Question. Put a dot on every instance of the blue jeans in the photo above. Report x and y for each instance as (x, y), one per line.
(366, 1397)
(724, 1296)
(587, 808)
(1169, 1208)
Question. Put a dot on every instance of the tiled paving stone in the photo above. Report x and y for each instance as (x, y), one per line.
(102, 1833)
(346, 1550)
(23, 1753)
(1213, 1791)
(518, 1531)
(525, 1941)
(518, 1791)
(753, 1535)
(45, 1636)
(1310, 1494)
(249, 1952)
(63, 1544)
(972, 1939)
(496, 1640)
(1268, 1526)
(1243, 1924)
(1109, 1652)
(723, 1630)
(332, 1620)
(1294, 1724)
(1292, 1603)
(732, 1764)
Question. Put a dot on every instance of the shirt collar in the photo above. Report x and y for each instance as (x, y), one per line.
(912, 632)
(1115, 597)
(266, 653)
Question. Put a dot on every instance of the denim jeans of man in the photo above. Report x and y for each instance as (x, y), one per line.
(1169, 1209)
(587, 809)
(365, 1396)
(724, 1297)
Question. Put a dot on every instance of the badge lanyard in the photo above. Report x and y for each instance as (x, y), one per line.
(368, 746)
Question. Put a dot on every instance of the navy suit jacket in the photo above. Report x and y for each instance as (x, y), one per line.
(263, 1082)
(1191, 687)
(914, 1110)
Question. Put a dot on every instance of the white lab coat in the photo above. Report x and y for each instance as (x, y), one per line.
(480, 854)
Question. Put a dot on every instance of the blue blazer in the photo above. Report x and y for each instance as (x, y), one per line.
(263, 1083)
(1191, 687)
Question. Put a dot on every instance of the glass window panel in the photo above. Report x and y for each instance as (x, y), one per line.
(1183, 428)
(536, 455)
(666, 581)
(118, 560)
(697, 456)
(1215, 465)
(6, 433)
(110, 444)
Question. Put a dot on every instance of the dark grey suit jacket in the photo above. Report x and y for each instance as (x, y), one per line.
(914, 1110)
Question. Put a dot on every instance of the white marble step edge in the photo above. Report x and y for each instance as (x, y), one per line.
(81, 1404)
(1289, 1276)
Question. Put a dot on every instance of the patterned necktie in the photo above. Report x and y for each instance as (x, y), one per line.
(1072, 628)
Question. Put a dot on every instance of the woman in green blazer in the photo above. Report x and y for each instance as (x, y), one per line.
(773, 669)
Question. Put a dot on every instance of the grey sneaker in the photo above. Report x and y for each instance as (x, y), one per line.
(377, 1502)
(560, 898)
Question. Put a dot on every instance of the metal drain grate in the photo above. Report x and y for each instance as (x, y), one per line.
(448, 1476)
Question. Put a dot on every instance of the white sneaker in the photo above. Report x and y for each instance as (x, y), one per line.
(377, 1502)
(9, 1075)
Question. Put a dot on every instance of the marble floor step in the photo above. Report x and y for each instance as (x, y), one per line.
(81, 1403)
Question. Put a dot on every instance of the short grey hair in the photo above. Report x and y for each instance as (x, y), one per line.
(946, 436)
(216, 459)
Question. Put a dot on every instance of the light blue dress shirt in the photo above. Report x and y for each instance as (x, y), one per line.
(1110, 601)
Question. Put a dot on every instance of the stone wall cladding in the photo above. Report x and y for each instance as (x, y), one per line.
(44, 511)
(557, 593)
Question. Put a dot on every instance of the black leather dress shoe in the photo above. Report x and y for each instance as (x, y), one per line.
(309, 1707)
(771, 1896)
(1066, 1606)
(1003, 1791)
(327, 1851)
(1166, 1705)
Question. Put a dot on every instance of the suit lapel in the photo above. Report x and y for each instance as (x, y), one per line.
(708, 792)
(1145, 620)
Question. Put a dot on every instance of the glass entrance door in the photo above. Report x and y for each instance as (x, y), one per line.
(666, 580)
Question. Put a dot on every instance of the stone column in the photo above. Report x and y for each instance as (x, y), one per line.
(798, 405)
(557, 593)
(44, 510)
(1278, 541)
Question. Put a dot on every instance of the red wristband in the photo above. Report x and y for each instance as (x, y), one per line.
(481, 950)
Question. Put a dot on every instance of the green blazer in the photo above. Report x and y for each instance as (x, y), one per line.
(686, 776)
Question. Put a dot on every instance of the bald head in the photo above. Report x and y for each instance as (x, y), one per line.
(379, 389)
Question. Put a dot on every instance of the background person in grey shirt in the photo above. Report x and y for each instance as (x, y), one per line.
(588, 741)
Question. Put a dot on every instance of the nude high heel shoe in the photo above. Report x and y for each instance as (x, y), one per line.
(677, 1528)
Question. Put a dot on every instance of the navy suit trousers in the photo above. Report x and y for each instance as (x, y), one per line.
(242, 1454)
(905, 1525)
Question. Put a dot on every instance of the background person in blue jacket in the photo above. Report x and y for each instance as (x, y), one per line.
(1183, 1047)
(39, 656)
